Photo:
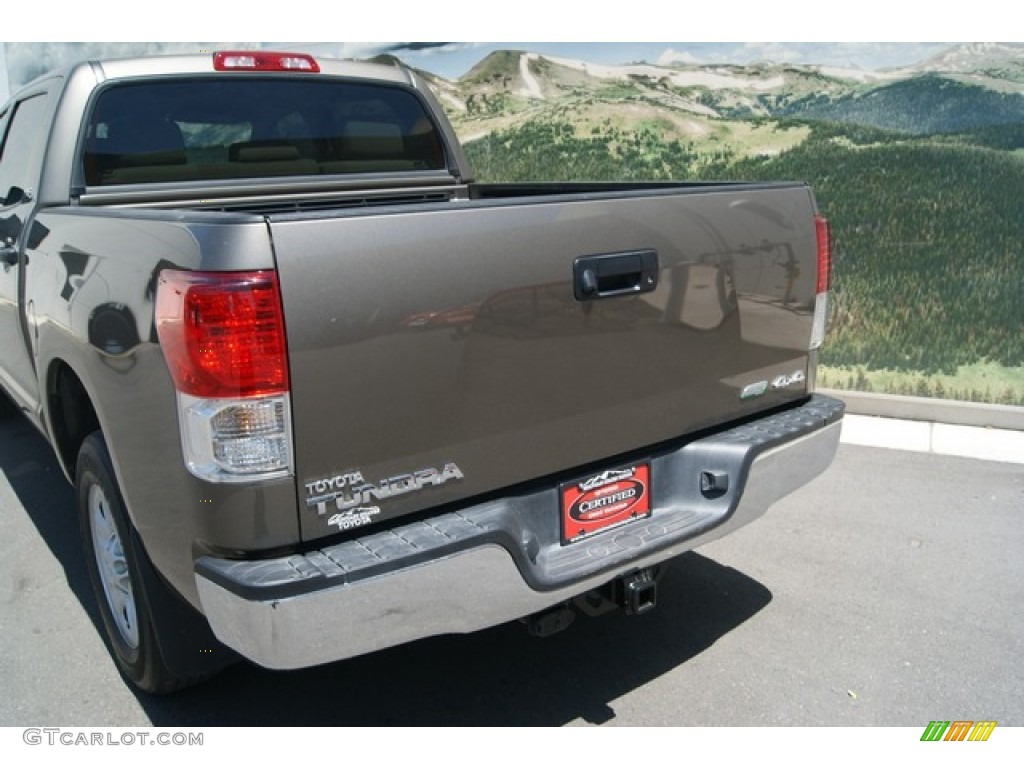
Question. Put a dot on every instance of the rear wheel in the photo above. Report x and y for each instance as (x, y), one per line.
(115, 560)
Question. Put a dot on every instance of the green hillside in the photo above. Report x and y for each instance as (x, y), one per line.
(921, 105)
(549, 151)
(927, 247)
(496, 67)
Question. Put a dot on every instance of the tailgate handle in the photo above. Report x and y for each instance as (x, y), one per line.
(614, 274)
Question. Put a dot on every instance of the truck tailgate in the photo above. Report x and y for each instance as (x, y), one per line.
(444, 352)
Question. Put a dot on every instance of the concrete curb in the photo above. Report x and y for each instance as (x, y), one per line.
(931, 409)
(949, 428)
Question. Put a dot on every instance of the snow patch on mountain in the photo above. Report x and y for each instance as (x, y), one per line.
(725, 81)
(858, 75)
(971, 57)
(531, 88)
(453, 101)
(714, 80)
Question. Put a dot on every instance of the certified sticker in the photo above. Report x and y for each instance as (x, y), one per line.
(612, 498)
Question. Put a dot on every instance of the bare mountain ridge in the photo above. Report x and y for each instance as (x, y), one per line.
(504, 67)
(508, 87)
(979, 58)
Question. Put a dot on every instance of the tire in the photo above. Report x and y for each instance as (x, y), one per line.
(117, 565)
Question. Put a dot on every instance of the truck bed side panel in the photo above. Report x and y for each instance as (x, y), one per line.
(93, 278)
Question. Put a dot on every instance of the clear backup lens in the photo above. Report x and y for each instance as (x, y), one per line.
(226, 441)
(263, 417)
(251, 454)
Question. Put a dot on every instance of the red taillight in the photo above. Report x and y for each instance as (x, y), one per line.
(824, 253)
(222, 333)
(264, 61)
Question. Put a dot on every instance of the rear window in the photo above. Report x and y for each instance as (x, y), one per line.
(216, 129)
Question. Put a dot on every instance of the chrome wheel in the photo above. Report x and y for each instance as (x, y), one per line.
(113, 567)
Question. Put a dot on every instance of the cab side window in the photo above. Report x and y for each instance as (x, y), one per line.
(21, 154)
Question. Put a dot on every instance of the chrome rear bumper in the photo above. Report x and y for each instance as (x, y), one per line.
(501, 560)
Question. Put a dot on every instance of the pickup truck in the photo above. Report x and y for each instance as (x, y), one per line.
(321, 393)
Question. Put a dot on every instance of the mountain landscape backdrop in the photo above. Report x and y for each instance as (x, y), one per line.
(920, 171)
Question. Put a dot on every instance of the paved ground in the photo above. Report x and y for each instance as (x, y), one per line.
(888, 592)
(1004, 445)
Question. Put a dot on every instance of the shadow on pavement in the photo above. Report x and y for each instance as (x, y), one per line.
(36, 478)
(500, 676)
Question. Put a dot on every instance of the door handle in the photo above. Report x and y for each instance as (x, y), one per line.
(614, 274)
(9, 256)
